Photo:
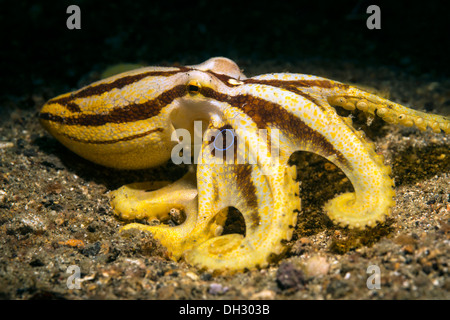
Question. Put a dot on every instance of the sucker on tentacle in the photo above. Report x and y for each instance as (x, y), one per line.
(144, 117)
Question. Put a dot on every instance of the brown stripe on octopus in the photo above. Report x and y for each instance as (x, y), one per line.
(247, 189)
(303, 83)
(128, 138)
(122, 114)
(269, 114)
(66, 103)
(73, 107)
(119, 83)
(293, 86)
(261, 110)
(226, 79)
(288, 85)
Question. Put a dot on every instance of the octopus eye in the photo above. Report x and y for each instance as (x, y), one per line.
(193, 87)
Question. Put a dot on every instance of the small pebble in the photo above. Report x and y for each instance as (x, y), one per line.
(192, 276)
(217, 288)
(6, 144)
(2, 196)
(264, 295)
(316, 266)
(288, 277)
(177, 216)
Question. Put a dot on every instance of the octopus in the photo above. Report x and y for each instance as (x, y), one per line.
(237, 134)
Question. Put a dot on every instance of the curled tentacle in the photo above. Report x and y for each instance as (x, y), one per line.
(264, 239)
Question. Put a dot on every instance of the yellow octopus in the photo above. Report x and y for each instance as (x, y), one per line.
(240, 132)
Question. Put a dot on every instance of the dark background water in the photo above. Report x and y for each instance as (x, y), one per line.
(38, 49)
